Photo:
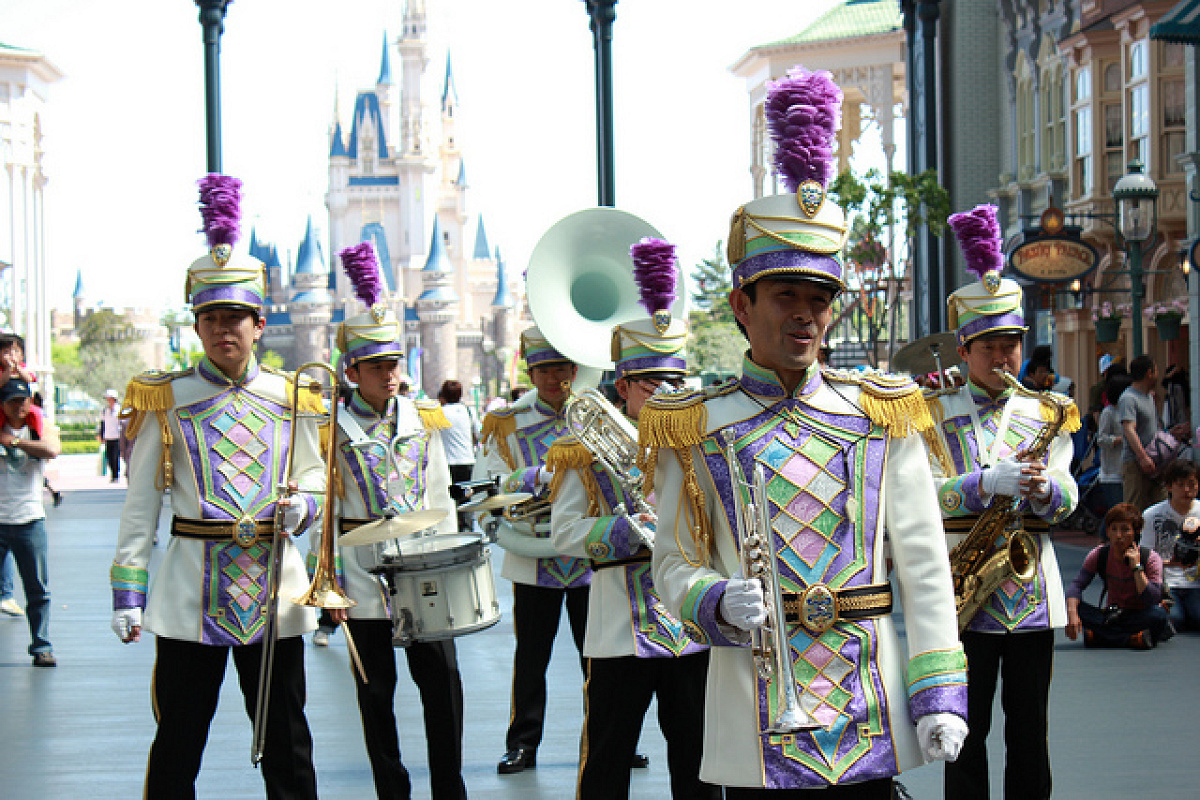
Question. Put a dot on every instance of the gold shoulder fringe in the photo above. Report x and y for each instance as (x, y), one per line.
(433, 417)
(674, 424)
(496, 428)
(901, 412)
(150, 391)
(933, 434)
(310, 401)
(566, 454)
(1072, 422)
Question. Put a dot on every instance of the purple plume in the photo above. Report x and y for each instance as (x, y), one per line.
(978, 235)
(654, 272)
(220, 208)
(804, 112)
(362, 267)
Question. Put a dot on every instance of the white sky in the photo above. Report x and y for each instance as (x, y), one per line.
(125, 127)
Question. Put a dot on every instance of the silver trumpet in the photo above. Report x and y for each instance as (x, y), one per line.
(769, 642)
(613, 441)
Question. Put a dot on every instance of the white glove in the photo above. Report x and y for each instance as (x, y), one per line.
(295, 508)
(1003, 479)
(742, 605)
(544, 476)
(941, 735)
(124, 620)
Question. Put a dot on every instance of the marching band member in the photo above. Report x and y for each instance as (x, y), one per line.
(373, 351)
(842, 463)
(635, 649)
(981, 429)
(216, 435)
(515, 441)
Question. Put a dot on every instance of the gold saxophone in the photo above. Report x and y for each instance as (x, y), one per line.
(603, 430)
(998, 547)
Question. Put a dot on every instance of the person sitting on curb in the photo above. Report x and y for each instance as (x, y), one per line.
(1132, 579)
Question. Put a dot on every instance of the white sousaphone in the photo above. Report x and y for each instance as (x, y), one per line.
(580, 284)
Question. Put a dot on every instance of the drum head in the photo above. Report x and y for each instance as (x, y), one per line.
(430, 552)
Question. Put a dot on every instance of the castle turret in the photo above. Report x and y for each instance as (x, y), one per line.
(437, 309)
(311, 302)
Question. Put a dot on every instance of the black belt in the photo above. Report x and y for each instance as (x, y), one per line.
(819, 606)
(964, 524)
(245, 531)
(642, 558)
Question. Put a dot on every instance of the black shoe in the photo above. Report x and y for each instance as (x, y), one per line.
(516, 760)
(57, 498)
(44, 659)
(640, 761)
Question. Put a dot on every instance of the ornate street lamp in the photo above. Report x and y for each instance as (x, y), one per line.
(1136, 197)
(602, 14)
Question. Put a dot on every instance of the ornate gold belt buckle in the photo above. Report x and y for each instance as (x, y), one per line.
(245, 531)
(818, 609)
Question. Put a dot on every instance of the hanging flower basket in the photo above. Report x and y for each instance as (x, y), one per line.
(1108, 329)
(1168, 326)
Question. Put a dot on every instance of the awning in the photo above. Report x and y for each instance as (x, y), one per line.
(1181, 24)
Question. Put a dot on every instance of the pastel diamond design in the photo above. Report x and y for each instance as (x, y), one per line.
(240, 448)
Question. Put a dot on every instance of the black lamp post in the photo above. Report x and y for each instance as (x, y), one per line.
(1136, 197)
(212, 19)
(603, 13)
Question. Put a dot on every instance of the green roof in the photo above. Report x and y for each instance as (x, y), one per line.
(850, 19)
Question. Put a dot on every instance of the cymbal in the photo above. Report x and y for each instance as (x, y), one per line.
(917, 358)
(494, 502)
(396, 527)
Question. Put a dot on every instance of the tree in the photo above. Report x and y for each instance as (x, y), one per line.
(106, 357)
(715, 345)
(874, 207)
(270, 358)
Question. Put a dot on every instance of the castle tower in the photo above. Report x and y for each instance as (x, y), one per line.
(412, 161)
(79, 299)
(311, 303)
(437, 311)
(504, 328)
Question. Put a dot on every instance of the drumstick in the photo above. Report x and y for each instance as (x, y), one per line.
(354, 660)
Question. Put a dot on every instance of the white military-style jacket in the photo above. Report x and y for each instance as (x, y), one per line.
(515, 442)
(842, 465)
(625, 615)
(421, 480)
(968, 417)
(220, 447)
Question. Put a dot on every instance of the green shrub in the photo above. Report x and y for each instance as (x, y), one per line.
(72, 447)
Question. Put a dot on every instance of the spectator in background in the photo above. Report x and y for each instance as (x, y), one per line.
(405, 386)
(514, 394)
(109, 432)
(1171, 530)
(1139, 424)
(1038, 373)
(1132, 579)
(22, 516)
(1110, 440)
(460, 438)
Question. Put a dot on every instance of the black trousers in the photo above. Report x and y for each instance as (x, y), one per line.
(458, 474)
(1024, 662)
(878, 789)
(536, 611)
(434, 670)
(112, 454)
(185, 689)
(616, 696)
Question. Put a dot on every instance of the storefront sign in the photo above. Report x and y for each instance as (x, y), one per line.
(1053, 259)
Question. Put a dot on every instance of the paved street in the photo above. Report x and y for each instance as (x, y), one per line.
(1120, 720)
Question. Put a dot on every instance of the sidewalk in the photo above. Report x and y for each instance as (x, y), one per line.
(84, 728)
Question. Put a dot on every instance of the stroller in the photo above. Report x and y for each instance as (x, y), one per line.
(1091, 508)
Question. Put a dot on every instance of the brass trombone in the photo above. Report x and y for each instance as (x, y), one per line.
(324, 591)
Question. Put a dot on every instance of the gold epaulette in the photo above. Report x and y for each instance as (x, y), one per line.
(1072, 422)
(566, 454)
(150, 391)
(894, 402)
(433, 417)
(497, 427)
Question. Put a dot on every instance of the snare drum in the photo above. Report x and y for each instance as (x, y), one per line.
(441, 587)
